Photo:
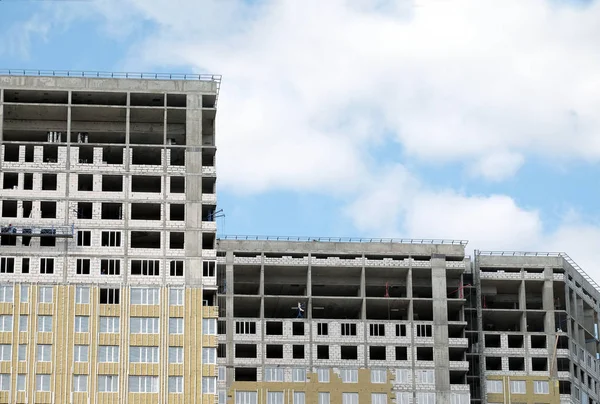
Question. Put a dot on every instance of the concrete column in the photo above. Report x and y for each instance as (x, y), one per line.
(309, 306)
(1, 124)
(523, 305)
(229, 316)
(67, 189)
(440, 328)
(363, 295)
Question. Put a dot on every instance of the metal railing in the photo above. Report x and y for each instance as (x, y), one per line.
(562, 255)
(38, 231)
(343, 239)
(111, 75)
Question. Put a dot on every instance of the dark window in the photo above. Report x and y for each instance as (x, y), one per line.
(7, 265)
(84, 210)
(322, 329)
(112, 211)
(84, 238)
(25, 265)
(28, 181)
(47, 241)
(83, 266)
(377, 330)
(176, 268)
(111, 239)
(176, 240)
(177, 185)
(400, 330)
(275, 351)
(9, 208)
(85, 182)
(49, 182)
(145, 267)
(11, 181)
(177, 211)
(110, 267)
(349, 352)
(298, 351)
(27, 208)
(109, 296)
(274, 328)
(348, 329)
(208, 268)
(298, 328)
(401, 353)
(322, 351)
(47, 265)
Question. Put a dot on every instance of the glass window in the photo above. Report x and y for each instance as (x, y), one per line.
(81, 353)
(349, 375)
(540, 387)
(5, 352)
(273, 375)
(42, 382)
(108, 383)
(209, 385)
(517, 386)
(44, 353)
(378, 376)
(176, 297)
(403, 398)
(45, 294)
(460, 398)
(175, 354)
(6, 294)
(80, 383)
(6, 323)
(493, 386)
(246, 397)
(403, 375)
(23, 323)
(144, 296)
(21, 382)
(175, 384)
(378, 398)
(298, 375)
(144, 325)
(22, 354)
(324, 398)
(275, 397)
(82, 324)
(110, 324)
(209, 326)
(351, 398)
(323, 375)
(143, 354)
(209, 356)
(44, 323)
(425, 376)
(24, 293)
(426, 398)
(143, 384)
(82, 295)
(222, 376)
(108, 353)
(175, 326)
(299, 397)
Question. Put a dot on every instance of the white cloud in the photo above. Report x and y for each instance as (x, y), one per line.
(309, 87)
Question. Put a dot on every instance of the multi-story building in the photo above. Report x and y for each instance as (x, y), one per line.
(536, 334)
(107, 252)
(324, 321)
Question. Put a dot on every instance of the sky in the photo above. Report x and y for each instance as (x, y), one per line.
(470, 120)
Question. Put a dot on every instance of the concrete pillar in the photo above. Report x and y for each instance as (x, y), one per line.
(440, 328)
(229, 316)
(309, 306)
(523, 304)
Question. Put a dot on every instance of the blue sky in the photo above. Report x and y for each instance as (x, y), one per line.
(411, 119)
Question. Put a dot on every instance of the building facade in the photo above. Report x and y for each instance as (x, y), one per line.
(107, 251)
(342, 322)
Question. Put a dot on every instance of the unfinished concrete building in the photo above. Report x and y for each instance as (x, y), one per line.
(107, 250)
(325, 321)
(536, 334)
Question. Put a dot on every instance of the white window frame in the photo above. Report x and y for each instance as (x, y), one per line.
(209, 326)
(47, 266)
(246, 397)
(145, 296)
(21, 382)
(494, 386)
(45, 294)
(176, 326)
(82, 324)
(143, 384)
(323, 375)
(6, 293)
(209, 385)
(112, 324)
(176, 297)
(273, 374)
(108, 383)
(44, 324)
(6, 323)
(349, 398)
(81, 353)
(175, 354)
(44, 353)
(209, 356)
(378, 376)
(299, 397)
(403, 375)
(541, 387)
(222, 374)
(80, 383)
(82, 295)
(275, 397)
(349, 375)
(518, 387)
(22, 353)
(144, 354)
(42, 382)
(324, 398)
(175, 384)
(144, 325)
(7, 265)
(403, 398)
(5, 352)
(24, 294)
(379, 398)
(298, 375)
(425, 398)
(425, 376)
(23, 323)
(108, 354)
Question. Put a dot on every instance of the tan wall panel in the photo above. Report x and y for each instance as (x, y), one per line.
(211, 341)
(176, 340)
(176, 311)
(82, 309)
(46, 309)
(176, 399)
(22, 367)
(4, 396)
(80, 398)
(144, 310)
(141, 369)
(6, 337)
(43, 397)
(5, 367)
(81, 368)
(23, 338)
(144, 340)
(44, 337)
(209, 370)
(108, 368)
(210, 312)
(143, 398)
(43, 368)
(109, 310)
(528, 397)
(210, 398)
(81, 338)
(108, 398)
(176, 369)
(109, 339)
(21, 397)
(23, 307)
(6, 308)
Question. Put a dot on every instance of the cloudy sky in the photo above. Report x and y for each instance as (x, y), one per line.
(462, 119)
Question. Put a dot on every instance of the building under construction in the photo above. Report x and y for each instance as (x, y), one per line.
(406, 321)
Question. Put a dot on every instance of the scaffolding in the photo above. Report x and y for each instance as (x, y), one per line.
(38, 231)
